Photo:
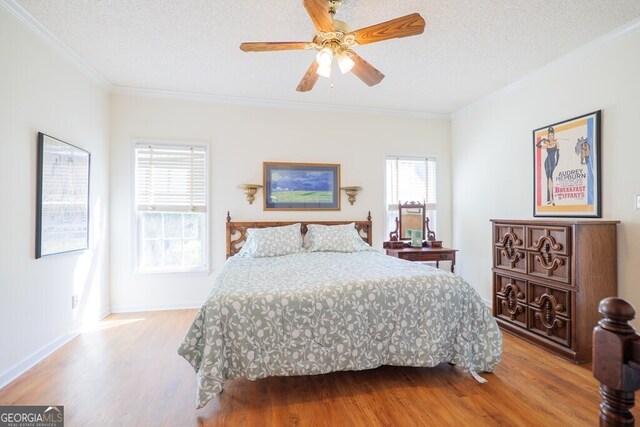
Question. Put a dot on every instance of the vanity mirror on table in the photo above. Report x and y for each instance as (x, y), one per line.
(407, 240)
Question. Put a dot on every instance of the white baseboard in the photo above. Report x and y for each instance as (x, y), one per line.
(20, 368)
(154, 307)
(104, 313)
(29, 362)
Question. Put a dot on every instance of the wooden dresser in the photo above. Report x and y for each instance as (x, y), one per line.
(548, 278)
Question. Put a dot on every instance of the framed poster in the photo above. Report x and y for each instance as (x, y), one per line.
(566, 168)
(62, 217)
(301, 186)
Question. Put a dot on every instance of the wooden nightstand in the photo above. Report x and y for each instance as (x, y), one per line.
(425, 254)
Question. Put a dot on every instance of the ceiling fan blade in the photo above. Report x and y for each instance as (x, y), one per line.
(405, 26)
(318, 10)
(309, 79)
(365, 71)
(272, 46)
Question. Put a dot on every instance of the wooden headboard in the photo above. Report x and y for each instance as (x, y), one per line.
(237, 231)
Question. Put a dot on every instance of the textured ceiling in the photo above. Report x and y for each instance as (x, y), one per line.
(469, 49)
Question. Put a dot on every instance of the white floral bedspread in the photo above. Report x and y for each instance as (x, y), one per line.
(313, 313)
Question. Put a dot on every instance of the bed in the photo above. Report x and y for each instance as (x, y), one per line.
(616, 361)
(310, 313)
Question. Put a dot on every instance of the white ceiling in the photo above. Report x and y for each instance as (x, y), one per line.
(469, 49)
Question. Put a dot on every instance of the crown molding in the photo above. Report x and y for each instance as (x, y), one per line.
(36, 27)
(578, 54)
(23, 16)
(271, 103)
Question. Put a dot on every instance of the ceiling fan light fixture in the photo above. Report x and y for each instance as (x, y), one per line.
(324, 57)
(333, 37)
(324, 70)
(345, 63)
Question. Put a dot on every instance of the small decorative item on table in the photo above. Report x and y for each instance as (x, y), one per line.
(416, 238)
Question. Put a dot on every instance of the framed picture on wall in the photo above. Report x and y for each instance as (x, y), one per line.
(301, 186)
(566, 168)
(62, 217)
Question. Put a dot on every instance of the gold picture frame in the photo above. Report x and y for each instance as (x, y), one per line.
(301, 186)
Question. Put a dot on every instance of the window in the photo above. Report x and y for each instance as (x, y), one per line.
(171, 207)
(410, 179)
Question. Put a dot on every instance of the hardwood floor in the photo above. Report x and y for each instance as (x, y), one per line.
(127, 372)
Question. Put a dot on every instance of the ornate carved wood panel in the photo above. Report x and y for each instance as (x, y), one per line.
(547, 323)
(560, 299)
(509, 250)
(557, 239)
(549, 266)
(510, 299)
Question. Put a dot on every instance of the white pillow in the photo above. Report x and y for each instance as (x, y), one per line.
(335, 238)
(272, 241)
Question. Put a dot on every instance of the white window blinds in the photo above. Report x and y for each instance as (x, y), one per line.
(170, 178)
(411, 179)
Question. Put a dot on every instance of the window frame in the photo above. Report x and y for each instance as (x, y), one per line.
(428, 205)
(205, 269)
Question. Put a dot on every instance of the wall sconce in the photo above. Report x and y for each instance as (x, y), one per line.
(250, 191)
(352, 192)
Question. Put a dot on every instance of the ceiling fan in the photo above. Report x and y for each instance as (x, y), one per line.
(333, 38)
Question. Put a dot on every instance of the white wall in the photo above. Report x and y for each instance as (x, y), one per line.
(41, 91)
(240, 139)
(492, 158)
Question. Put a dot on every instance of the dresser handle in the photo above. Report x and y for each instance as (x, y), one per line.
(548, 316)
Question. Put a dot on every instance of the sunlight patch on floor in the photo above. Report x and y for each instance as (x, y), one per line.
(108, 324)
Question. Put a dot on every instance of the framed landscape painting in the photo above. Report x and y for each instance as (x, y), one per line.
(62, 217)
(301, 186)
(566, 168)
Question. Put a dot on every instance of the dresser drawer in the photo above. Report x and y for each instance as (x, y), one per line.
(510, 299)
(549, 325)
(510, 259)
(509, 235)
(509, 253)
(425, 256)
(549, 266)
(542, 297)
(505, 285)
(553, 239)
(511, 311)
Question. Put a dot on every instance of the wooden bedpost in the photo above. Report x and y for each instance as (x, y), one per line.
(616, 352)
